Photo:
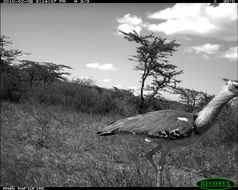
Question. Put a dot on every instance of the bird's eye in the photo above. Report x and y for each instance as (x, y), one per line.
(235, 84)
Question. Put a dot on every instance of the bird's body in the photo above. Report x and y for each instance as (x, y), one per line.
(153, 126)
(172, 128)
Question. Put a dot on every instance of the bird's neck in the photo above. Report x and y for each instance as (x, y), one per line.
(208, 114)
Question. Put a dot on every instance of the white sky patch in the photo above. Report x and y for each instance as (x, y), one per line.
(198, 19)
(205, 48)
(129, 23)
(84, 77)
(132, 87)
(231, 54)
(104, 67)
(106, 80)
(118, 86)
(136, 90)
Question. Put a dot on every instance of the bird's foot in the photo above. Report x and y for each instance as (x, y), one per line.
(163, 177)
(168, 176)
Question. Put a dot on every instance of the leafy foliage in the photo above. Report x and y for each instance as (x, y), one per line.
(11, 86)
(36, 73)
(191, 98)
(8, 56)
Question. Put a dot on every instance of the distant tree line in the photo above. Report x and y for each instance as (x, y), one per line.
(25, 80)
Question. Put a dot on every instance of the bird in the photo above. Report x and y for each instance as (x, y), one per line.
(172, 128)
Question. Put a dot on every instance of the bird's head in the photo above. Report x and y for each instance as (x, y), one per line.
(232, 86)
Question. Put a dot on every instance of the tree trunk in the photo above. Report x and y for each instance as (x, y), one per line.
(31, 81)
(142, 100)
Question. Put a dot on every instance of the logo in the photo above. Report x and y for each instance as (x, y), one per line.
(215, 183)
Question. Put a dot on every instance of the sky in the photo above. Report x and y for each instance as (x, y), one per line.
(86, 38)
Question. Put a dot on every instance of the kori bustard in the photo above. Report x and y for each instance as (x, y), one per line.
(172, 128)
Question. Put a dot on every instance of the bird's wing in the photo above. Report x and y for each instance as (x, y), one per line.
(168, 124)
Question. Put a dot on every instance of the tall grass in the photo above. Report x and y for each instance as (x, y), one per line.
(50, 146)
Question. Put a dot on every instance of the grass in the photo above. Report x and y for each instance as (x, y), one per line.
(50, 146)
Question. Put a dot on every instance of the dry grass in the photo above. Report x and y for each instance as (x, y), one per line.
(48, 146)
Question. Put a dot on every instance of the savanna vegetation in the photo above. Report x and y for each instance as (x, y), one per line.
(49, 125)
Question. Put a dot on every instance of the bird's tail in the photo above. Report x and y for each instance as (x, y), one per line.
(106, 131)
(103, 133)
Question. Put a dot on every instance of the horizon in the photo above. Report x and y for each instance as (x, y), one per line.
(85, 37)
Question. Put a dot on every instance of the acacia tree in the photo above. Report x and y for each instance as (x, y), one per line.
(152, 55)
(205, 99)
(191, 98)
(10, 76)
(7, 55)
(46, 73)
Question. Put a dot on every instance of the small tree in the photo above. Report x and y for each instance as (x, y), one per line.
(7, 55)
(205, 99)
(10, 76)
(83, 81)
(45, 73)
(152, 55)
(190, 98)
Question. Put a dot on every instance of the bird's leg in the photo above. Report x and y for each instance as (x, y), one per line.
(159, 180)
(149, 156)
(167, 175)
(159, 170)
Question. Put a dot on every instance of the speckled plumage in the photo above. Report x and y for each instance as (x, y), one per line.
(164, 124)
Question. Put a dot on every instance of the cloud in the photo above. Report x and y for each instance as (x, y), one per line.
(205, 48)
(92, 65)
(198, 19)
(231, 54)
(129, 23)
(106, 80)
(132, 20)
(104, 67)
